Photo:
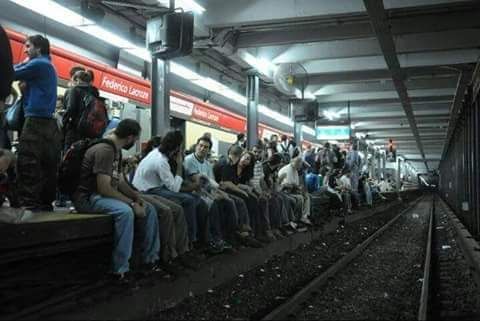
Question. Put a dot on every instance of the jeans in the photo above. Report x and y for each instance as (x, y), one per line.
(123, 218)
(189, 204)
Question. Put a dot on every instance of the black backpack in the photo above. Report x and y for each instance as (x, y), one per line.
(71, 165)
(94, 117)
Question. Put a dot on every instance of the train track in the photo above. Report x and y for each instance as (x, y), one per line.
(295, 307)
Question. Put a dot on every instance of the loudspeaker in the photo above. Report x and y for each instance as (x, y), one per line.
(306, 111)
(170, 35)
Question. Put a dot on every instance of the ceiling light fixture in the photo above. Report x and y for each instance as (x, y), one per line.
(186, 5)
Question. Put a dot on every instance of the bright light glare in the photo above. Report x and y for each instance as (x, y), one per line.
(260, 64)
(308, 130)
(331, 115)
(105, 35)
(275, 115)
(187, 5)
(54, 11)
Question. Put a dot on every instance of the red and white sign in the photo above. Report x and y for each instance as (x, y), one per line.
(218, 118)
(181, 106)
(125, 88)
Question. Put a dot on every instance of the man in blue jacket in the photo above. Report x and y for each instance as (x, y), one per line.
(39, 144)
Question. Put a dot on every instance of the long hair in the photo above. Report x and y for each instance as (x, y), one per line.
(247, 172)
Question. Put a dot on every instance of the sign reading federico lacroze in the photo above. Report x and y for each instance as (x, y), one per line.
(125, 88)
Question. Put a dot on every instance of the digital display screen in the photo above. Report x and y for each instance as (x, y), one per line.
(333, 132)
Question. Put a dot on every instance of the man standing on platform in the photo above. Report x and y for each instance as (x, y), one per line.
(39, 144)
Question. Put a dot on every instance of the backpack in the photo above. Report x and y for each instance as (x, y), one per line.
(71, 165)
(285, 154)
(94, 117)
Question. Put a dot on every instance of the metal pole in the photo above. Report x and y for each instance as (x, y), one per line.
(161, 93)
(297, 127)
(398, 173)
(160, 97)
(253, 83)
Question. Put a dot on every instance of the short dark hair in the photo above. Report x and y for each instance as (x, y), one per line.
(240, 136)
(74, 70)
(235, 150)
(83, 76)
(205, 139)
(275, 159)
(171, 141)
(127, 127)
(40, 42)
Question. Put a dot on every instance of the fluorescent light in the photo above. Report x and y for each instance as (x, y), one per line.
(274, 115)
(54, 11)
(306, 94)
(107, 36)
(331, 115)
(308, 130)
(141, 53)
(186, 5)
(260, 64)
(183, 72)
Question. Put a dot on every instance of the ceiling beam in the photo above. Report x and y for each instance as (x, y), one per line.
(386, 85)
(383, 74)
(410, 43)
(380, 24)
(340, 29)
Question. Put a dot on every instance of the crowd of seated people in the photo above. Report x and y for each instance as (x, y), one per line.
(185, 204)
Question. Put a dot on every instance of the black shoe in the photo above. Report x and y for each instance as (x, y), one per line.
(251, 242)
(121, 279)
(148, 269)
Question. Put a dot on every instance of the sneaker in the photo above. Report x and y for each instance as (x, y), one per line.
(120, 279)
(278, 234)
(306, 220)
(251, 242)
(148, 269)
(271, 236)
(215, 247)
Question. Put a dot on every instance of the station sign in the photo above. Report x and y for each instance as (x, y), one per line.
(333, 132)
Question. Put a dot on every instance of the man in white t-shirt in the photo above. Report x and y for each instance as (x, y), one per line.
(289, 180)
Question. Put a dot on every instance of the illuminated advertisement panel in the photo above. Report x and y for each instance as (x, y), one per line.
(333, 132)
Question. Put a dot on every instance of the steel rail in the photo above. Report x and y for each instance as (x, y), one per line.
(424, 297)
(282, 311)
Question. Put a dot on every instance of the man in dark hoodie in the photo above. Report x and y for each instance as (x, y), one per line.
(6, 68)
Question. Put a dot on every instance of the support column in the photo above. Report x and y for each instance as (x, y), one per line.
(252, 109)
(160, 109)
(297, 127)
(399, 162)
(160, 97)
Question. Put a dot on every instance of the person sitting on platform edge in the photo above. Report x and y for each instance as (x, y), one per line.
(198, 168)
(39, 143)
(289, 180)
(160, 173)
(102, 189)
